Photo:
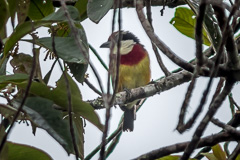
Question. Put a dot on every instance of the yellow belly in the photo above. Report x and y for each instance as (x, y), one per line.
(133, 76)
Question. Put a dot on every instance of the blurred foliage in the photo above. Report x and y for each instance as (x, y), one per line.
(184, 21)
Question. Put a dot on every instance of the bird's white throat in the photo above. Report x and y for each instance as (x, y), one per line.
(126, 47)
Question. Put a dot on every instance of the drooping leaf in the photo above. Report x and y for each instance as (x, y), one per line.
(172, 158)
(68, 50)
(39, 9)
(97, 9)
(27, 27)
(3, 67)
(25, 152)
(59, 96)
(22, 10)
(211, 23)
(60, 14)
(209, 156)
(15, 78)
(184, 21)
(218, 152)
(42, 113)
(81, 5)
(12, 5)
(4, 13)
(79, 130)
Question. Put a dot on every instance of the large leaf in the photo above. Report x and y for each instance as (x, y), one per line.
(97, 9)
(184, 21)
(40, 9)
(24, 152)
(12, 5)
(42, 113)
(81, 5)
(22, 10)
(27, 27)
(4, 13)
(68, 50)
(15, 78)
(218, 152)
(59, 96)
(60, 14)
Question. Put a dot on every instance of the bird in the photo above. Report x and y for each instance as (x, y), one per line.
(134, 69)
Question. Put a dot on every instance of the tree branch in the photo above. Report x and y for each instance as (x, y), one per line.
(169, 3)
(179, 147)
(161, 85)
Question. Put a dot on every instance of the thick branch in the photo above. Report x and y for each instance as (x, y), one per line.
(169, 3)
(179, 147)
(151, 89)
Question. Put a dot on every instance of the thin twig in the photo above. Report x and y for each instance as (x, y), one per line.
(4, 138)
(181, 127)
(159, 59)
(98, 57)
(113, 63)
(235, 153)
(69, 97)
(92, 87)
(109, 139)
(208, 116)
(226, 127)
(78, 41)
(118, 52)
(216, 103)
(160, 44)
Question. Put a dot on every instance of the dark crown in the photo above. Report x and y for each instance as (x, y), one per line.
(126, 35)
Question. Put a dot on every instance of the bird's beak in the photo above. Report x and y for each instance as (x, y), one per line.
(105, 45)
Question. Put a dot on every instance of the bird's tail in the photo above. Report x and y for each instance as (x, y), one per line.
(129, 117)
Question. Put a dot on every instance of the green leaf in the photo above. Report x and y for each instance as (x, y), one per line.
(59, 96)
(79, 130)
(184, 21)
(60, 14)
(68, 50)
(22, 10)
(81, 5)
(4, 13)
(27, 27)
(97, 9)
(42, 113)
(15, 78)
(218, 152)
(3, 67)
(238, 157)
(25, 152)
(40, 9)
(209, 156)
(12, 5)
(172, 158)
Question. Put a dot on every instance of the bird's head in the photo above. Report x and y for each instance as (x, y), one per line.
(127, 39)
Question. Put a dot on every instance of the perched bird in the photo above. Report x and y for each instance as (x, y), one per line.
(134, 69)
